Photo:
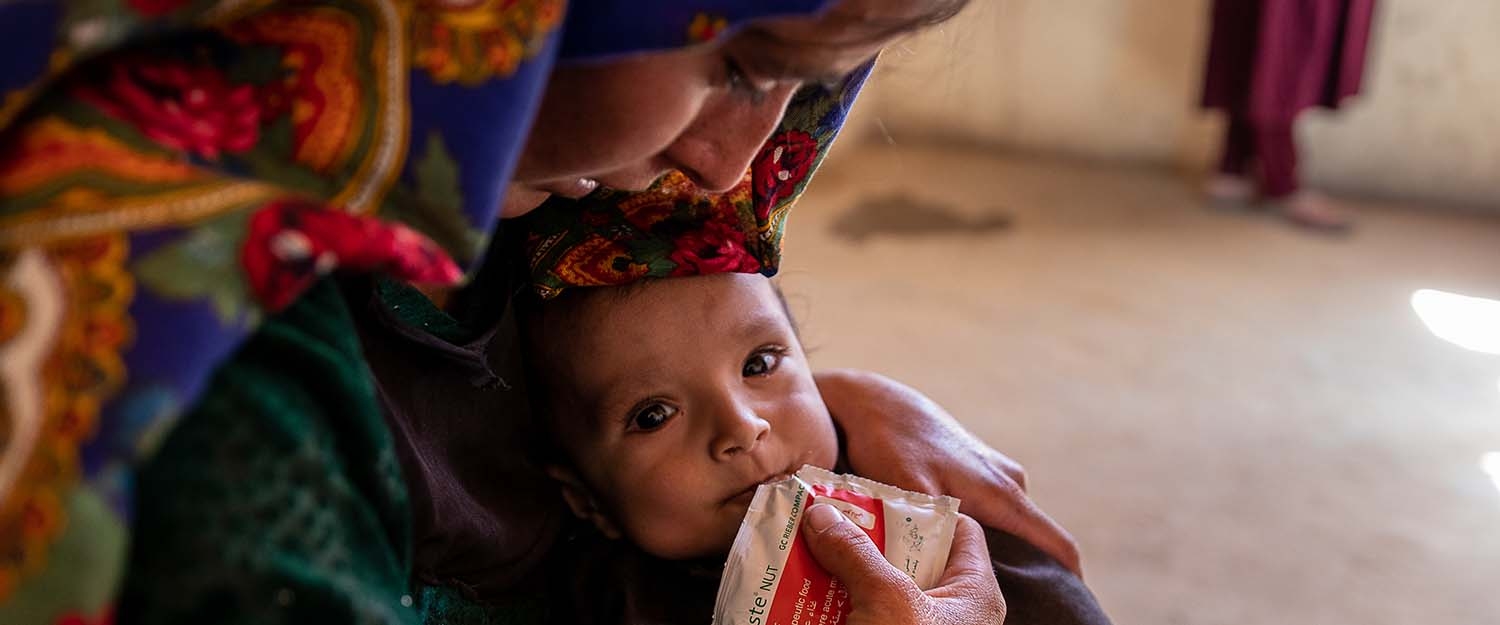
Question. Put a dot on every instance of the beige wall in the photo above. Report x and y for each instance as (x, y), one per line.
(1118, 79)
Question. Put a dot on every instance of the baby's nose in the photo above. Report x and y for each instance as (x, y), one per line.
(740, 433)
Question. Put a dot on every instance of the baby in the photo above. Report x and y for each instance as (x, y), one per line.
(670, 401)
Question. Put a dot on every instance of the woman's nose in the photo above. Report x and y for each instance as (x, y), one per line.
(740, 431)
(717, 149)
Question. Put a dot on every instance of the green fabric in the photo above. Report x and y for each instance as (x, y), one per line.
(279, 498)
(447, 606)
(416, 310)
(299, 514)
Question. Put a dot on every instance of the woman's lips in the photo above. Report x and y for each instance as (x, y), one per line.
(630, 182)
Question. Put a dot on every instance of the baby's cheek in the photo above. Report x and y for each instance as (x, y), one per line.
(681, 528)
(729, 531)
(820, 438)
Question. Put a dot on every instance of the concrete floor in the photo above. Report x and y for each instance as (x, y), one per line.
(1240, 422)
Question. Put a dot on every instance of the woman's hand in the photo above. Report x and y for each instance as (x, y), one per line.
(881, 594)
(895, 434)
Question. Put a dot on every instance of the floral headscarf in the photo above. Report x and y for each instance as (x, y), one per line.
(674, 229)
(173, 170)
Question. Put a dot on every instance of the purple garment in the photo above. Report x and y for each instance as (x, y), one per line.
(484, 513)
(1267, 151)
(1269, 60)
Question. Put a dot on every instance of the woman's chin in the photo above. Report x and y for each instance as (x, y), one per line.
(520, 200)
(572, 188)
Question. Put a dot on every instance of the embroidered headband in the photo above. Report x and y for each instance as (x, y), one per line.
(675, 229)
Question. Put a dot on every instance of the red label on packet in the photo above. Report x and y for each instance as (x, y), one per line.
(807, 593)
(771, 577)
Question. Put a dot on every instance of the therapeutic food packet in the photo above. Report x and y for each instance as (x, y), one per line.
(771, 577)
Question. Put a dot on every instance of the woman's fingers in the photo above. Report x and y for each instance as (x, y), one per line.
(883, 595)
(897, 435)
(968, 560)
(968, 592)
(1008, 509)
(1009, 467)
(846, 552)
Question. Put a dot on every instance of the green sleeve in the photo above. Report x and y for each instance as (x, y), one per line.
(279, 497)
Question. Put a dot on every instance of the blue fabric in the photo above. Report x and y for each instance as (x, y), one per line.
(187, 301)
(603, 29)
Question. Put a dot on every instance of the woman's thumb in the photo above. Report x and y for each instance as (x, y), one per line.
(846, 552)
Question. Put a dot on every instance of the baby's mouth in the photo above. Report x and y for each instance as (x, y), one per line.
(746, 494)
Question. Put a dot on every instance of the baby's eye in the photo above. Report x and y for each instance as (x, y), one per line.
(651, 417)
(761, 363)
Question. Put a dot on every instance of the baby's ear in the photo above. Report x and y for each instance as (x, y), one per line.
(585, 506)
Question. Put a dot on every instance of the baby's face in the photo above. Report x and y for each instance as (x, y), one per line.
(674, 401)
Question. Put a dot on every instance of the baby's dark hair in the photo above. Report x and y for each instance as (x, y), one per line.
(537, 321)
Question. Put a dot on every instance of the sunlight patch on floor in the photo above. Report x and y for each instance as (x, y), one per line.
(1491, 465)
(1470, 322)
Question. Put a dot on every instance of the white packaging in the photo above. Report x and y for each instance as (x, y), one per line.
(772, 579)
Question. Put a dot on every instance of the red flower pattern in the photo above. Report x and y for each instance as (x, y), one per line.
(717, 247)
(156, 8)
(292, 243)
(182, 106)
(105, 617)
(781, 165)
(706, 27)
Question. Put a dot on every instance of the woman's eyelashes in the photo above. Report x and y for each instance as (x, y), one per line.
(763, 361)
(740, 83)
(650, 417)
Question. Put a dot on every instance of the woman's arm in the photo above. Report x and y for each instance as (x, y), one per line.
(895, 434)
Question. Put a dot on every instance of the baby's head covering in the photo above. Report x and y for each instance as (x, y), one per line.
(675, 229)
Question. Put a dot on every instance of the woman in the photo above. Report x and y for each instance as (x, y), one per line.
(1268, 61)
(178, 177)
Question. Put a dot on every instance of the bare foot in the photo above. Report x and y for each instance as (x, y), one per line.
(1316, 211)
(1228, 190)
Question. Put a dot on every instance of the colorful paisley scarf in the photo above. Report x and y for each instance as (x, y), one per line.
(173, 170)
(612, 238)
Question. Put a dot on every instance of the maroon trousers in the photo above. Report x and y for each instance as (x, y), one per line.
(1268, 61)
(1266, 151)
